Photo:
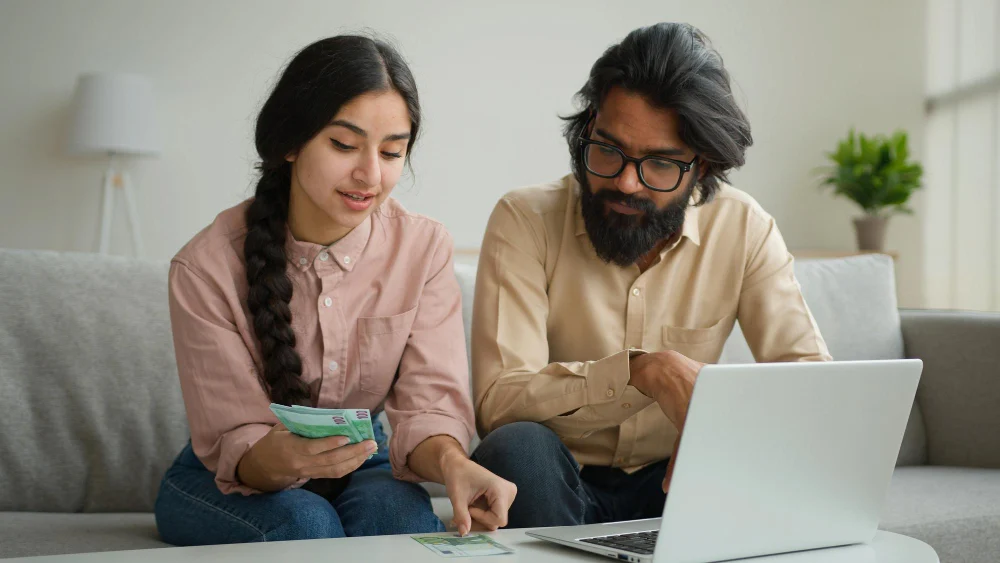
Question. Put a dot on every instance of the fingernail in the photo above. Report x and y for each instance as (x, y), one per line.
(372, 446)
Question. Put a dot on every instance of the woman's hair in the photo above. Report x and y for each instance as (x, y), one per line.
(674, 66)
(311, 90)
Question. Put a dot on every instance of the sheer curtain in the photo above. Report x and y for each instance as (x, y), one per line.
(962, 155)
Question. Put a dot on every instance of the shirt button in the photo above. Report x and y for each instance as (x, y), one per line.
(626, 405)
(347, 259)
(303, 261)
(610, 392)
(328, 301)
(324, 256)
(635, 291)
(333, 366)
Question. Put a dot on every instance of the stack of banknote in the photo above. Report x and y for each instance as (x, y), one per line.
(310, 422)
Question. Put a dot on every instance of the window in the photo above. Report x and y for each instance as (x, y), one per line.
(962, 155)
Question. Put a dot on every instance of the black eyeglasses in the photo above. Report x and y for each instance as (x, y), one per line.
(658, 173)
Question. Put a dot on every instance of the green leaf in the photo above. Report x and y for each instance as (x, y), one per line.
(875, 172)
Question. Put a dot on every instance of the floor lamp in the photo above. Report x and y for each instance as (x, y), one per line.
(113, 115)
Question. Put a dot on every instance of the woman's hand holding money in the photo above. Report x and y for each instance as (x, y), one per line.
(281, 458)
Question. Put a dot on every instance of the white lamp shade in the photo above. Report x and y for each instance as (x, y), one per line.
(113, 113)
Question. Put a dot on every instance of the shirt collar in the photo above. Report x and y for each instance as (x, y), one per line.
(691, 229)
(346, 252)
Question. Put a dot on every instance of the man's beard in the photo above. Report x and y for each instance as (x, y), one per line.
(623, 239)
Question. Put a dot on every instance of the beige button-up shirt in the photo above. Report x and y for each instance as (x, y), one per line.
(377, 318)
(553, 325)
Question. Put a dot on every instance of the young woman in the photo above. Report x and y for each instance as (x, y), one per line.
(323, 291)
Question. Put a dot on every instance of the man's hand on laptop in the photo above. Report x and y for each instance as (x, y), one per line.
(670, 465)
(667, 377)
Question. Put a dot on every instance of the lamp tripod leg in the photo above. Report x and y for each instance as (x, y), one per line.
(107, 208)
(133, 216)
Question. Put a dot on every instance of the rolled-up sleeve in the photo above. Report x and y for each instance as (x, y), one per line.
(431, 396)
(226, 405)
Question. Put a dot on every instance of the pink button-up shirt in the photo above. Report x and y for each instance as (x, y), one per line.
(383, 298)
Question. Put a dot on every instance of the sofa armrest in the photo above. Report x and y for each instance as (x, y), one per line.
(959, 392)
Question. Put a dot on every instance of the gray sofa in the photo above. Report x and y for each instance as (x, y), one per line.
(93, 413)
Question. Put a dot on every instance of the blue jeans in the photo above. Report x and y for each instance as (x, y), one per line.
(552, 490)
(190, 509)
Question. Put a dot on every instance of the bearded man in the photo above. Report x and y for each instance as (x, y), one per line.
(600, 296)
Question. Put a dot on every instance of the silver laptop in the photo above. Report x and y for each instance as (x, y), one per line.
(775, 458)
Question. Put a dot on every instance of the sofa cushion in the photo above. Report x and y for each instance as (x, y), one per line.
(88, 383)
(854, 303)
(466, 276)
(27, 534)
(954, 509)
(959, 391)
(443, 510)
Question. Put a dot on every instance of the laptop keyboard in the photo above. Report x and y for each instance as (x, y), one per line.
(642, 542)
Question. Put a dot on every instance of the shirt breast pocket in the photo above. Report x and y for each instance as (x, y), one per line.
(702, 344)
(381, 341)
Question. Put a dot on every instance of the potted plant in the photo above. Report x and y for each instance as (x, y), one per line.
(877, 174)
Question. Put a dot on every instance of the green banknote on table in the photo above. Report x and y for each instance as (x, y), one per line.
(453, 545)
(309, 422)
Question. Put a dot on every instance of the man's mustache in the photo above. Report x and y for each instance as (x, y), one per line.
(628, 200)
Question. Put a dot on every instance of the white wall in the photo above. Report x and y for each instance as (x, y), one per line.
(493, 78)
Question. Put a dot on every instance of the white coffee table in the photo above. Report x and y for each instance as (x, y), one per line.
(886, 548)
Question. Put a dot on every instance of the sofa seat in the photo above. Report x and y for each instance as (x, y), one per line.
(954, 509)
(25, 534)
(28, 534)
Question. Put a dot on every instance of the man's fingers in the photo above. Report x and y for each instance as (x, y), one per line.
(670, 466)
(666, 478)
